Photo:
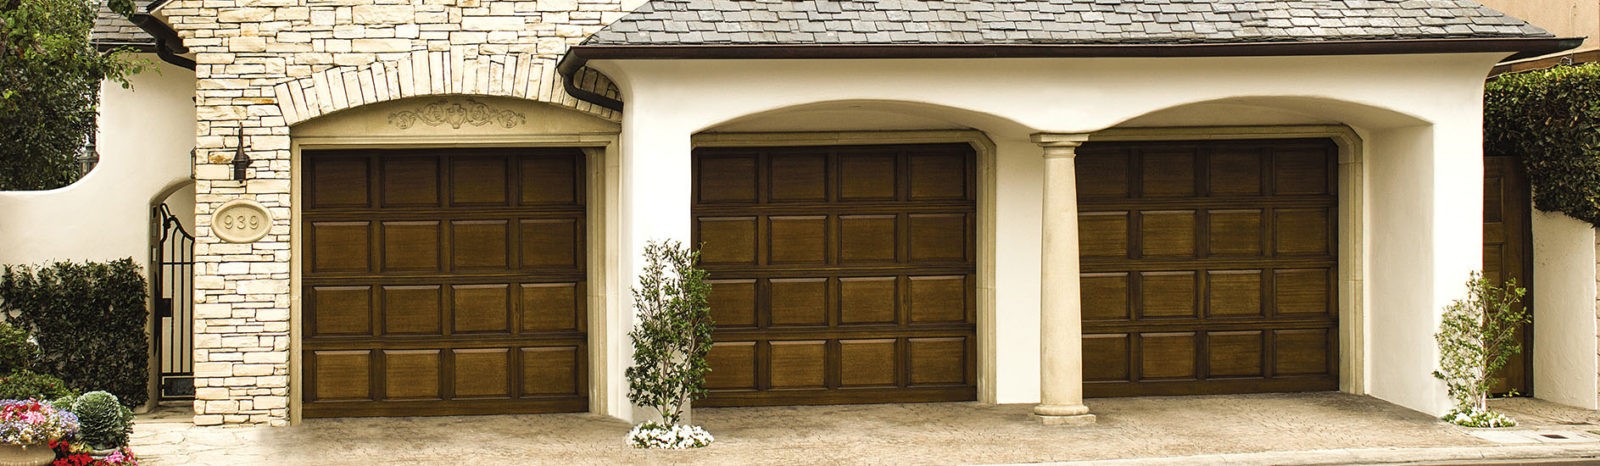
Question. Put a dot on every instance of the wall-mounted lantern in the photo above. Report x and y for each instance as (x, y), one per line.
(241, 161)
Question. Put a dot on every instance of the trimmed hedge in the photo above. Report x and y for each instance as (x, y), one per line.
(89, 320)
(1552, 119)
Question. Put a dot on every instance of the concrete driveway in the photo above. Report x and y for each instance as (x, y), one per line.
(1317, 428)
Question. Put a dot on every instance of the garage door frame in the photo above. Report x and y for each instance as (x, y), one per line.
(604, 336)
(1351, 220)
(985, 234)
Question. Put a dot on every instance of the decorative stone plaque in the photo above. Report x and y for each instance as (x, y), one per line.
(241, 221)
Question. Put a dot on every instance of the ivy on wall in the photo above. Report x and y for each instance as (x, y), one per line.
(1551, 118)
(89, 320)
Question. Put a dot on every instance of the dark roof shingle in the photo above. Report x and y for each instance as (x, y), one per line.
(112, 29)
(1059, 22)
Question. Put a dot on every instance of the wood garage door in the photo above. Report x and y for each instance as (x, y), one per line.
(1208, 267)
(840, 274)
(444, 282)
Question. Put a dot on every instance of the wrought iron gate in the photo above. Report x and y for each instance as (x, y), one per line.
(172, 280)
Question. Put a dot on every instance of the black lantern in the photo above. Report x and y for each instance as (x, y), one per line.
(241, 161)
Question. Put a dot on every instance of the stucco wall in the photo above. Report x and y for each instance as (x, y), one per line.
(145, 136)
(1563, 298)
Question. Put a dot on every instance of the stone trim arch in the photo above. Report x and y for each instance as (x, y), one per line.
(423, 73)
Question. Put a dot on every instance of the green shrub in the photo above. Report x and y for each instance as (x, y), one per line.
(24, 384)
(1550, 118)
(1477, 336)
(89, 320)
(104, 423)
(17, 352)
(673, 333)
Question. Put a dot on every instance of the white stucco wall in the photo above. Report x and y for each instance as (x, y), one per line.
(1563, 298)
(145, 136)
(1417, 114)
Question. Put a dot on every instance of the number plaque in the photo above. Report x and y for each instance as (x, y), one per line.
(241, 221)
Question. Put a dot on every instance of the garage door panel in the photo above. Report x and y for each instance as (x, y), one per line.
(733, 178)
(1105, 296)
(413, 310)
(338, 182)
(868, 300)
(410, 181)
(552, 307)
(869, 363)
(340, 246)
(1233, 288)
(1167, 233)
(1111, 180)
(847, 280)
(412, 374)
(341, 310)
(470, 265)
(411, 246)
(479, 181)
(1234, 232)
(797, 239)
(798, 364)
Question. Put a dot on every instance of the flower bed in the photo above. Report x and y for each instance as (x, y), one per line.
(33, 422)
(676, 437)
(78, 454)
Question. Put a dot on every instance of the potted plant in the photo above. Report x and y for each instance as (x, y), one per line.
(670, 344)
(104, 423)
(1476, 339)
(26, 429)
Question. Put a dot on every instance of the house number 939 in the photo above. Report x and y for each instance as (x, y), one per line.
(241, 221)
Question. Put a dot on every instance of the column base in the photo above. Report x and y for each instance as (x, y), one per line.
(1059, 415)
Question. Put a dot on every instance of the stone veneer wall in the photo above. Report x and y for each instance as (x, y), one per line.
(263, 65)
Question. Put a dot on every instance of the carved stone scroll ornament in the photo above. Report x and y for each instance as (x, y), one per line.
(455, 114)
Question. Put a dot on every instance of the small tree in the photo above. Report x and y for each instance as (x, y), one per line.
(1476, 339)
(673, 335)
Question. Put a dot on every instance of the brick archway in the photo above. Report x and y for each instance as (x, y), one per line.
(423, 73)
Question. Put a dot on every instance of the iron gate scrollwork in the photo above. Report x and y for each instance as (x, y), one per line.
(172, 280)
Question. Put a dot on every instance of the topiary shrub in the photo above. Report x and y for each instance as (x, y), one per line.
(104, 423)
(1549, 118)
(17, 351)
(23, 384)
(89, 320)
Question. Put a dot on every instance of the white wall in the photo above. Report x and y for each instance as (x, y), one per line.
(145, 136)
(1564, 350)
(1418, 112)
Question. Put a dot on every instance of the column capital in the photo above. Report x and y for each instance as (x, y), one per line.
(1059, 144)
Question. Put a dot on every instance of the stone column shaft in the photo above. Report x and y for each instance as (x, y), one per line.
(1060, 310)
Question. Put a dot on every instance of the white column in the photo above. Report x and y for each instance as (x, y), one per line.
(1060, 307)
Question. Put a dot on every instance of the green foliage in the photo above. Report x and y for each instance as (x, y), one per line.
(17, 351)
(49, 88)
(1476, 339)
(1550, 118)
(23, 384)
(673, 333)
(89, 319)
(104, 423)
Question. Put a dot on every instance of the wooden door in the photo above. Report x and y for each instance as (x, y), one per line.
(839, 274)
(1508, 254)
(1208, 267)
(444, 282)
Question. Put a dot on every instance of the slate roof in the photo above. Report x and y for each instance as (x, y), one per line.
(112, 29)
(1054, 22)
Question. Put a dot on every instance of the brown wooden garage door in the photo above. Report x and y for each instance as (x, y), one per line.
(443, 282)
(841, 274)
(1208, 267)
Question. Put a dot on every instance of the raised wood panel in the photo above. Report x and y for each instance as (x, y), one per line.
(868, 363)
(410, 181)
(1508, 255)
(413, 307)
(551, 370)
(846, 277)
(481, 308)
(478, 181)
(411, 246)
(868, 300)
(341, 310)
(802, 364)
(1105, 296)
(411, 374)
(1232, 253)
